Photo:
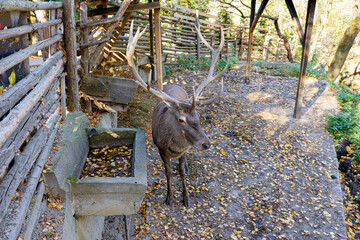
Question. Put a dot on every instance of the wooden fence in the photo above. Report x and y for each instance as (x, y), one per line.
(29, 110)
(179, 37)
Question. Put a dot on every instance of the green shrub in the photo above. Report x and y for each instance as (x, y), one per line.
(346, 123)
(189, 62)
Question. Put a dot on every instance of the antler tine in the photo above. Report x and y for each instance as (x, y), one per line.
(130, 50)
(215, 54)
(209, 101)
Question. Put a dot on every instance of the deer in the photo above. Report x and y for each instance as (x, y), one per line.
(176, 123)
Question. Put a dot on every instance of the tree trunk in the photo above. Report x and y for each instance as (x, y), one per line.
(286, 41)
(343, 49)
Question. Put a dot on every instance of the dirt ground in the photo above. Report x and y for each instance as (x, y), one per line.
(266, 176)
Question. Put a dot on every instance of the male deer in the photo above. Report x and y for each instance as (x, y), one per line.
(176, 123)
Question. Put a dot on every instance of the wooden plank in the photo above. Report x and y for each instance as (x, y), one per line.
(96, 54)
(258, 15)
(158, 45)
(132, 7)
(143, 6)
(194, 19)
(16, 58)
(152, 50)
(10, 123)
(33, 181)
(200, 13)
(63, 97)
(18, 31)
(22, 165)
(304, 58)
(11, 97)
(85, 39)
(70, 49)
(295, 18)
(16, 5)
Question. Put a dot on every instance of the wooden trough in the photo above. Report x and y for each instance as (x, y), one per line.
(109, 89)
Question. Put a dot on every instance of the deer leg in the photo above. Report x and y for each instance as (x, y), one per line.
(167, 165)
(182, 166)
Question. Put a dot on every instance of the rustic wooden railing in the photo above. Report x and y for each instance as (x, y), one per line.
(179, 38)
(29, 110)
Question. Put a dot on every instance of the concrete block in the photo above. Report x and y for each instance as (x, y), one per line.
(71, 155)
(106, 196)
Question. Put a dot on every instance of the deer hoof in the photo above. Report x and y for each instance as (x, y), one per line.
(168, 200)
(186, 202)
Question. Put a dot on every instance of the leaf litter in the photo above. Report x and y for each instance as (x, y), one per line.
(266, 176)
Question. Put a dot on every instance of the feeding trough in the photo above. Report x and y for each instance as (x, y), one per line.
(105, 196)
(109, 89)
(97, 196)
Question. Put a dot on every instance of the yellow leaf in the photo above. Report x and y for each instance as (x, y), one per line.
(223, 152)
(1, 90)
(12, 78)
(293, 185)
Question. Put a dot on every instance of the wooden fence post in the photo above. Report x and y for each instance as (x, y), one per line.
(70, 49)
(266, 44)
(241, 44)
(158, 48)
(151, 29)
(85, 39)
(304, 57)
(197, 23)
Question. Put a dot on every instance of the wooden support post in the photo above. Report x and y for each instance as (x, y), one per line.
(227, 48)
(253, 21)
(304, 58)
(152, 55)
(63, 97)
(70, 49)
(85, 39)
(266, 45)
(241, 44)
(221, 52)
(197, 23)
(248, 61)
(158, 48)
(295, 18)
(235, 45)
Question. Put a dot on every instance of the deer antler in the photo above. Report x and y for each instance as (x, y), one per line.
(130, 59)
(215, 54)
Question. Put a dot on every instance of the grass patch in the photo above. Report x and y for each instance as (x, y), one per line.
(346, 123)
(189, 62)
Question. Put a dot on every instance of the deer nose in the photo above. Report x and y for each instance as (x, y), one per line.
(205, 146)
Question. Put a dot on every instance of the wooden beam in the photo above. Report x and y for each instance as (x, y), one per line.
(132, 7)
(198, 46)
(158, 44)
(304, 58)
(258, 15)
(16, 5)
(12, 96)
(295, 18)
(70, 49)
(95, 56)
(16, 58)
(17, 31)
(152, 52)
(85, 39)
(248, 60)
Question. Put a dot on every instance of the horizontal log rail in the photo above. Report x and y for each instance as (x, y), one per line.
(9, 98)
(18, 31)
(16, 58)
(19, 112)
(15, 5)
